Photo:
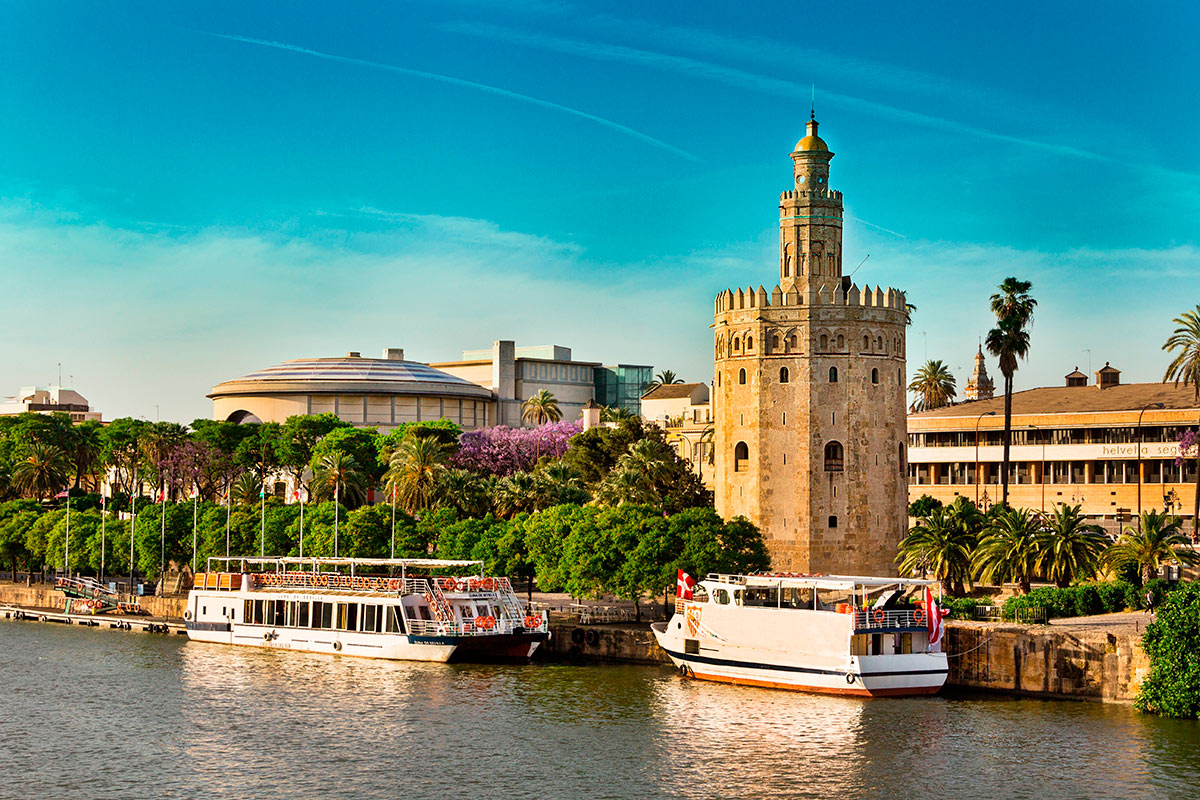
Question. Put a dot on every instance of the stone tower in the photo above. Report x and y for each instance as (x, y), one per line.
(980, 386)
(810, 396)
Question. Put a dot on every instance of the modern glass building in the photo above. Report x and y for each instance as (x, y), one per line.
(622, 386)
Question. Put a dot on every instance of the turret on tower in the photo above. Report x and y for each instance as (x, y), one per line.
(810, 220)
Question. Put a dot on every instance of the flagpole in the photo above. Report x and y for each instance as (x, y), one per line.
(67, 551)
(262, 541)
(103, 515)
(301, 499)
(336, 504)
(393, 520)
(132, 525)
(162, 553)
(195, 512)
(228, 509)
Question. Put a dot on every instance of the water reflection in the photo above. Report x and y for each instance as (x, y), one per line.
(130, 715)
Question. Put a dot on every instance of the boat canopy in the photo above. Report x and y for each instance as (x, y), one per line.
(831, 582)
(283, 563)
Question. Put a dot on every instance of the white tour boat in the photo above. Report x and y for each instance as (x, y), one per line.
(815, 633)
(409, 609)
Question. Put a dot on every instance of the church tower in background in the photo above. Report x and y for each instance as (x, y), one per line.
(980, 386)
(810, 395)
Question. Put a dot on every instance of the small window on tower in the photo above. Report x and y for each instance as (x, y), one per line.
(792, 342)
(841, 342)
(741, 454)
(875, 375)
(824, 342)
(749, 342)
(741, 376)
(833, 374)
(774, 342)
(783, 374)
(833, 521)
(866, 343)
(737, 345)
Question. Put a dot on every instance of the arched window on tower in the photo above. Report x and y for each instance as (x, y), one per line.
(874, 375)
(866, 342)
(824, 341)
(741, 454)
(742, 376)
(737, 345)
(833, 374)
(841, 342)
(792, 341)
(783, 374)
(775, 342)
(834, 457)
(903, 471)
(749, 342)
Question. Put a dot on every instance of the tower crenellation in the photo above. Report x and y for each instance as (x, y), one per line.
(809, 394)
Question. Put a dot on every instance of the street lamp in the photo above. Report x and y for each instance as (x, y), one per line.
(1139, 458)
(977, 421)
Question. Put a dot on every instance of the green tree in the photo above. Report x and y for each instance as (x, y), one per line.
(85, 450)
(337, 475)
(596, 451)
(298, 437)
(121, 450)
(463, 490)
(443, 430)
(42, 470)
(1155, 541)
(361, 444)
(514, 494)
(1071, 548)
(541, 409)
(1184, 368)
(1172, 641)
(368, 532)
(546, 534)
(414, 472)
(664, 378)
(923, 506)
(558, 484)
(1010, 548)
(941, 545)
(1009, 341)
(933, 385)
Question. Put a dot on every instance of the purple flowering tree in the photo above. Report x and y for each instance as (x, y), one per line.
(1189, 449)
(503, 450)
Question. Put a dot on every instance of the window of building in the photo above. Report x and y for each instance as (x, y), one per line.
(833, 520)
(824, 341)
(866, 343)
(749, 342)
(900, 456)
(742, 376)
(834, 457)
(841, 342)
(774, 342)
(737, 345)
(833, 374)
(741, 454)
(792, 341)
(783, 374)
(874, 375)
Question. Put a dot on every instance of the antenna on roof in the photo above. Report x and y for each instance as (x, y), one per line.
(812, 111)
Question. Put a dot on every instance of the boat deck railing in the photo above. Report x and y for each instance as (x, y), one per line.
(888, 619)
(468, 627)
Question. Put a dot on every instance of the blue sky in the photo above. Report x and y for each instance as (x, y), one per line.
(190, 191)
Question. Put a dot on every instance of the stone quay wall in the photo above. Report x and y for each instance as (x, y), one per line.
(45, 596)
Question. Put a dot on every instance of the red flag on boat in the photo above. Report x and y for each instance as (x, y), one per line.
(933, 621)
(684, 584)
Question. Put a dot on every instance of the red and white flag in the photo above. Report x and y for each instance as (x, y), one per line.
(300, 495)
(933, 621)
(684, 584)
(103, 501)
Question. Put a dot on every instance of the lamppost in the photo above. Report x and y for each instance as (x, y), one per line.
(1139, 458)
(977, 421)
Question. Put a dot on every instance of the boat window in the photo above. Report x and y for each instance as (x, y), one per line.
(762, 597)
(876, 644)
(423, 612)
(395, 621)
(248, 611)
(737, 597)
(691, 646)
(722, 596)
(797, 597)
(858, 644)
(903, 643)
(302, 619)
(368, 618)
(279, 616)
(322, 615)
(347, 617)
(466, 612)
(293, 612)
(484, 610)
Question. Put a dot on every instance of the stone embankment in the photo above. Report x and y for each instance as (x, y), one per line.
(44, 596)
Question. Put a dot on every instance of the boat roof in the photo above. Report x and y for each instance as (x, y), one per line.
(816, 581)
(429, 563)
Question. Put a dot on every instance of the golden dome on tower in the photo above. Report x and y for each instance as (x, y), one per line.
(812, 141)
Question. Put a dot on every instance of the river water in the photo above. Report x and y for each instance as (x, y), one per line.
(105, 714)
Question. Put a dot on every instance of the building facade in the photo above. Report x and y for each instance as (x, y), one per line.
(514, 374)
(809, 395)
(684, 412)
(1111, 448)
(49, 400)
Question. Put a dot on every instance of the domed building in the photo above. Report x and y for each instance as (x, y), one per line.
(380, 392)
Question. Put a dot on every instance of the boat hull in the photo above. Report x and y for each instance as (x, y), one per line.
(859, 676)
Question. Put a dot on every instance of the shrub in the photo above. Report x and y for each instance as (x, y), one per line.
(1086, 600)
(1173, 643)
(1160, 588)
(1113, 596)
(964, 607)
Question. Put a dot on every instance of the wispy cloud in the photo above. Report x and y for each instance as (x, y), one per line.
(462, 83)
(746, 79)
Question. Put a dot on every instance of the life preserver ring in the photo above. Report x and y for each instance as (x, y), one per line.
(487, 585)
(187, 615)
(849, 677)
(533, 622)
(485, 623)
(879, 615)
(449, 584)
(394, 584)
(337, 645)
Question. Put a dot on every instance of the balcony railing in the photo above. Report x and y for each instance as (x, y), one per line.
(890, 619)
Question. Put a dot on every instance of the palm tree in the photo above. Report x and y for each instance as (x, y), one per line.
(85, 449)
(559, 484)
(909, 308)
(1159, 541)
(616, 414)
(933, 385)
(1071, 548)
(414, 471)
(540, 409)
(625, 485)
(1010, 548)
(338, 477)
(1009, 341)
(41, 470)
(515, 493)
(664, 378)
(246, 489)
(940, 544)
(464, 491)
(1185, 369)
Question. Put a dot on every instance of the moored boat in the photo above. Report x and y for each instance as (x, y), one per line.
(830, 634)
(408, 609)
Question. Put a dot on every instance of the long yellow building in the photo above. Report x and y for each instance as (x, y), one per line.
(1110, 447)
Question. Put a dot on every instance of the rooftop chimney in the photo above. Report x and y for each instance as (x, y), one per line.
(1077, 378)
(354, 354)
(393, 353)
